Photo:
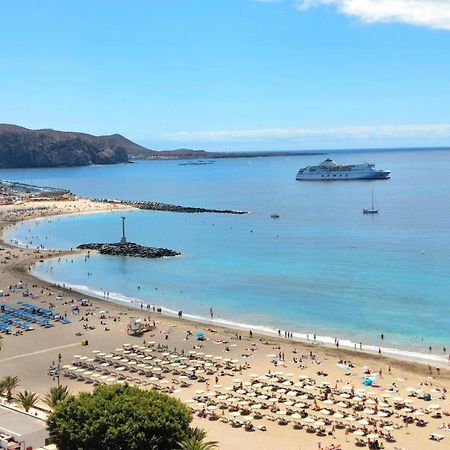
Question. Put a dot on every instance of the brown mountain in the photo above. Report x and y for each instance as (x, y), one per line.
(21, 147)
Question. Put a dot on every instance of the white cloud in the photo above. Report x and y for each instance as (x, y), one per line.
(427, 13)
(348, 132)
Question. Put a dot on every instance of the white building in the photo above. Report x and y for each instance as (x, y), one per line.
(21, 431)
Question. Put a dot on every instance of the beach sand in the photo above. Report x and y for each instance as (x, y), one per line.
(29, 355)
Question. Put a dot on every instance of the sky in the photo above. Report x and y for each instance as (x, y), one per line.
(231, 75)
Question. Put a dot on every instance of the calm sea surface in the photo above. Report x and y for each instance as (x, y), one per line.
(323, 267)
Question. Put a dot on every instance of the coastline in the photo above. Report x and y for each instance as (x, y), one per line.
(347, 347)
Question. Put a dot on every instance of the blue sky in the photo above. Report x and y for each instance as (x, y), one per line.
(231, 74)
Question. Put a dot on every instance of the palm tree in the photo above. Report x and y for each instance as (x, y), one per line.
(55, 395)
(27, 399)
(197, 441)
(8, 384)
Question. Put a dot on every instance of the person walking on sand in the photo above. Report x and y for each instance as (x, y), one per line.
(211, 312)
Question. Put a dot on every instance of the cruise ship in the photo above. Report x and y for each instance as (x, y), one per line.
(329, 170)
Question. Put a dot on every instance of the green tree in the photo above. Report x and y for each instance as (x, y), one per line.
(27, 399)
(197, 441)
(118, 417)
(55, 395)
(8, 384)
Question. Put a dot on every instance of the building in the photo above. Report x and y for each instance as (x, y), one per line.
(21, 431)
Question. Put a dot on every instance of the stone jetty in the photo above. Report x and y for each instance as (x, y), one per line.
(129, 249)
(157, 206)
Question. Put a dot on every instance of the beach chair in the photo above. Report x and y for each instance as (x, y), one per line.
(436, 437)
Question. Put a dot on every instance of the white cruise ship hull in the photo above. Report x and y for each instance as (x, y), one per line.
(378, 175)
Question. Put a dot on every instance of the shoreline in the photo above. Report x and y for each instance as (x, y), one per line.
(345, 345)
(270, 359)
(263, 330)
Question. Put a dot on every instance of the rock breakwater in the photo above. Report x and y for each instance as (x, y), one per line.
(157, 206)
(129, 249)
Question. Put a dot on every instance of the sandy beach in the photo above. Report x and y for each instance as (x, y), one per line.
(235, 371)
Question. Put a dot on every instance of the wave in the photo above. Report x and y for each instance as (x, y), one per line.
(134, 302)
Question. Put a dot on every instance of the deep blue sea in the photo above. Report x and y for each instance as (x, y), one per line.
(323, 267)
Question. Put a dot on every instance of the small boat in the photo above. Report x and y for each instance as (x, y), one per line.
(275, 216)
(371, 210)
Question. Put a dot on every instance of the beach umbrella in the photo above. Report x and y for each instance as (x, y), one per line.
(309, 420)
(78, 356)
(435, 406)
(328, 402)
(343, 405)
(363, 422)
(383, 405)
(228, 388)
(389, 428)
(281, 391)
(281, 412)
(385, 395)
(369, 411)
(256, 406)
(271, 355)
(300, 405)
(291, 393)
(120, 369)
(235, 413)
(325, 412)
(358, 433)
(338, 415)
(319, 423)
(350, 419)
(212, 407)
(398, 399)
(303, 397)
(296, 416)
(241, 391)
(200, 334)
(286, 383)
(95, 375)
(310, 387)
(373, 436)
(98, 351)
(243, 403)
(418, 413)
(262, 397)
(382, 414)
(344, 395)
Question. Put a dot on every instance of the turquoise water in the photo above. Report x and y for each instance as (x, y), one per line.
(323, 267)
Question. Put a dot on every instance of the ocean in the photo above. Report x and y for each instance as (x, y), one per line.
(322, 267)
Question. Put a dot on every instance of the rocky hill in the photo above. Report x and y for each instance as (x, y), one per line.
(21, 147)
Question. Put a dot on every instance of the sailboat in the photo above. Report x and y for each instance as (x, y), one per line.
(371, 210)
